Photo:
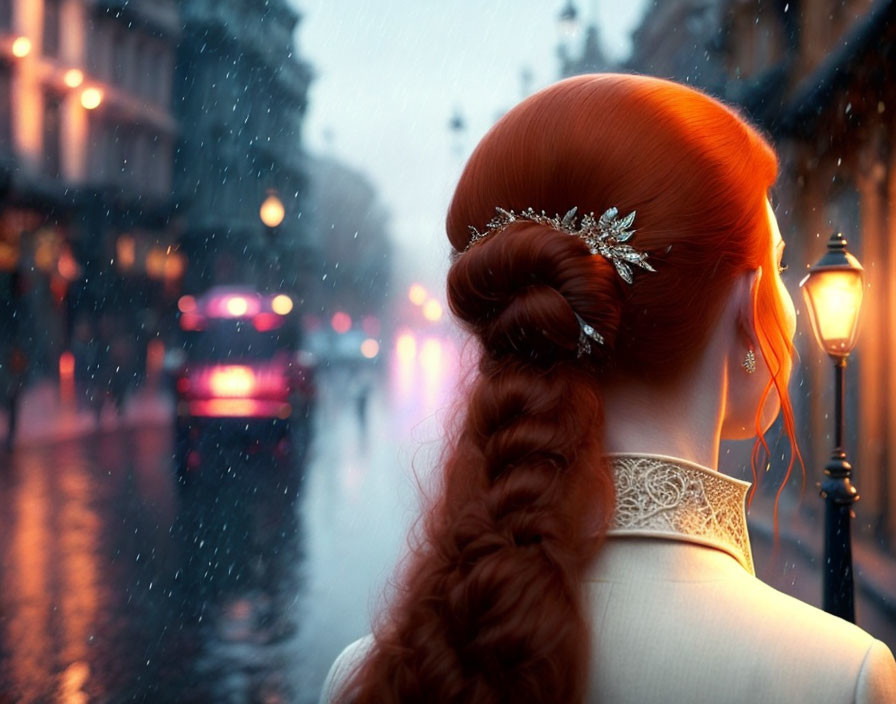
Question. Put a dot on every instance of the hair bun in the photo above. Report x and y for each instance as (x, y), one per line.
(520, 293)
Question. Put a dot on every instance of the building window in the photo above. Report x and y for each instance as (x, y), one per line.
(51, 27)
(52, 134)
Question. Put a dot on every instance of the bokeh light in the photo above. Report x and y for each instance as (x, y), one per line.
(21, 47)
(432, 310)
(282, 304)
(272, 211)
(406, 347)
(73, 78)
(417, 294)
(186, 304)
(341, 322)
(237, 306)
(91, 98)
(370, 348)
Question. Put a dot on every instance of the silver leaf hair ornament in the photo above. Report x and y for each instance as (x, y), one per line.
(606, 236)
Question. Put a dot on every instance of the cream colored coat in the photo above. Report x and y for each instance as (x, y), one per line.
(678, 615)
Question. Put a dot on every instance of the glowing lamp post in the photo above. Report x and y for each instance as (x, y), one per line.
(272, 211)
(21, 47)
(91, 98)
(833, 292)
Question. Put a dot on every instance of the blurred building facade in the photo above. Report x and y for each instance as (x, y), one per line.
(138, 140)
(86, 146)
(819, 78)
(241, 93)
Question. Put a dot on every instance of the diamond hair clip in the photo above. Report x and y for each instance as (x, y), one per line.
(606, 235)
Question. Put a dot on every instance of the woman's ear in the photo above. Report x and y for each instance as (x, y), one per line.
(746, 316)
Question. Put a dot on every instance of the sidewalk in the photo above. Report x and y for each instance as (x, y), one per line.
(875, 570)
(43, 416)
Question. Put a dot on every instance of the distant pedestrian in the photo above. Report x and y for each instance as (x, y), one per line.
(362, 398)
(120, 371)
(85, 352)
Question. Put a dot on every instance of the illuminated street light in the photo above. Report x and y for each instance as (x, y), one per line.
(432, 310)
(272, 211)
(125, 252)
(91, 98)
(281, 304)
(568, 20)
(73, 78)
(21, 47)
(833, 292)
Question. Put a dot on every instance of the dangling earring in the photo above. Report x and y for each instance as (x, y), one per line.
(750, 361)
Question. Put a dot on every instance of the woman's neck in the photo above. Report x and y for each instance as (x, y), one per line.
(683, 421)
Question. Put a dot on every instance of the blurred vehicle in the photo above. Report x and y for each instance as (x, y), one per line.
(240, 376)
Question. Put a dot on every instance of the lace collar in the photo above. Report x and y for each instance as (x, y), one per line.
(663, 496)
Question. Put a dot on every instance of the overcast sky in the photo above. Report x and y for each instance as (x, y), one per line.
(390, 75)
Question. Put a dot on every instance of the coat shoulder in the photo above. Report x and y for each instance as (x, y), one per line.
(799, 637)
(350, 657)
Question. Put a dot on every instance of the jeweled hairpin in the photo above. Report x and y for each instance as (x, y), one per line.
(605, 235)
(586, 334)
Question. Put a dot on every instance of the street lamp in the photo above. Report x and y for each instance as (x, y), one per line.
(21, 47)
(272, 211)
(568, 20)
(833, 291)
(73, 78)
(91, 98)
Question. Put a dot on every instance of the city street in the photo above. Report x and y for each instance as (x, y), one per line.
(119, 585)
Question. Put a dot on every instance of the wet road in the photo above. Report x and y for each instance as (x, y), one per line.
(117, 585)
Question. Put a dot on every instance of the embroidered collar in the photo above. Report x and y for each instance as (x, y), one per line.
(663, 496)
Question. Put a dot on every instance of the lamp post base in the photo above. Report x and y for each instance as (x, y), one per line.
(838, 587)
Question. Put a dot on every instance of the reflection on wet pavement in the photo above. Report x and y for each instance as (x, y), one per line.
(119, 584)
(116, 586)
